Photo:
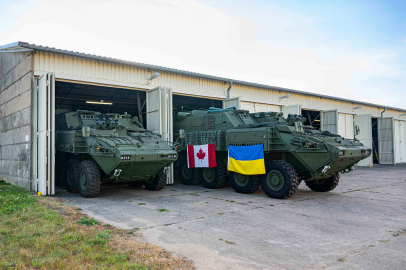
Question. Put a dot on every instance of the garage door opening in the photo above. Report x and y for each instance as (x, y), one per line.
(312, 118)
(70, 97)
(375, 141)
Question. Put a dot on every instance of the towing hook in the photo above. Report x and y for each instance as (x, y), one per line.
(117, 172)
(325, 169)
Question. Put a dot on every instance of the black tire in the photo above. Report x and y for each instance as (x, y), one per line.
(188, 176)
(213, 177)
(136, 184)
(280, 181)
(73, 175)
(245, 184)
(324, 185)
(90, 179)
(157, 182)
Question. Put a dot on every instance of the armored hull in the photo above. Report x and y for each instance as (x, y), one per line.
(100, 148)
(292, 151)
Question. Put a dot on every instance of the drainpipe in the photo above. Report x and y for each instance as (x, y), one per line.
(228, 90)
(384, 110)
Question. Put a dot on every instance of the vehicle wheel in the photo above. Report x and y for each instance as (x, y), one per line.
(213, 177)
(188, 176)
(324, 185)
(245, 184)
(136, 184)
(157, 182)
(90, 179)
(280, 181)
(73, 175)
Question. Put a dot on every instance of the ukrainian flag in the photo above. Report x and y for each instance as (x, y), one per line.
(248, 160)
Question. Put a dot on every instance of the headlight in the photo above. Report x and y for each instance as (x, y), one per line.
(342, 152)
(125, 157)
(171, 156)
(366, 152)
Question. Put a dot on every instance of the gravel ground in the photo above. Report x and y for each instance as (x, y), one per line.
(359, 225)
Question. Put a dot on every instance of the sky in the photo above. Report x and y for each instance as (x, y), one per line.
(350, 49)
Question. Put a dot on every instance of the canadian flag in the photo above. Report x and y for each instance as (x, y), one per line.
(201, 156)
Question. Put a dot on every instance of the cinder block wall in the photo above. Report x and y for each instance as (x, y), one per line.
(16, 92)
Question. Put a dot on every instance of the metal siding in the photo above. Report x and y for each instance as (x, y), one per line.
(90, 68)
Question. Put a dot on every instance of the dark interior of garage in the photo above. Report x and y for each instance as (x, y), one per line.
(312, 118)
(375, 141)
(71, 96)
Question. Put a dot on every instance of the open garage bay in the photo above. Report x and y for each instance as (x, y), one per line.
(359, 225)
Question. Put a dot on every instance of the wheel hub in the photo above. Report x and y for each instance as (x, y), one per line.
(275, 180)
(241, 179)
(209, 174)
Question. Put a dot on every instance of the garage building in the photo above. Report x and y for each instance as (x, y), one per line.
(37, 82)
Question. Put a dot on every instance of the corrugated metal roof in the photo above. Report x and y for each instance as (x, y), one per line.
(26, 45)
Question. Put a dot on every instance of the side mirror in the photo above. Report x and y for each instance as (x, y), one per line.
(86, 131)
(182, 133)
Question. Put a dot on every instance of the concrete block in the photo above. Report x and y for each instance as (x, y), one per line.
(17, 119)
(17, 104)
(8, 61)
(16, 73)
(20, 86)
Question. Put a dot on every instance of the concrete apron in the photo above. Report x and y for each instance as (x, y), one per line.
(362, 223)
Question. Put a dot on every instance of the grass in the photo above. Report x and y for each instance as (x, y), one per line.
(163, 210)
(43, 233)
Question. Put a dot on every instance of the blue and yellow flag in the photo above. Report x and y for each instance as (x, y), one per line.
(248, 160)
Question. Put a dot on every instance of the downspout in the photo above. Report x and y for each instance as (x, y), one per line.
(384, 110)
(228, 90)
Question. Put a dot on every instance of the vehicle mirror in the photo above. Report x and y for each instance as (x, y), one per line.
(182, 133)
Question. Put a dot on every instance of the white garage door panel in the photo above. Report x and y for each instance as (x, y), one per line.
(258, 107)
(266, 108)
(154, 110)
(329, 121)
(46, 134)
(346, 125)
(386, 142)
(400, 141)
(227, 103)
(364, 122)
(291, 109)
(249, 106)
(160, 117)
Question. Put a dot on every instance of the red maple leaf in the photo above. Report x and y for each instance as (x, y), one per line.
(201, 154)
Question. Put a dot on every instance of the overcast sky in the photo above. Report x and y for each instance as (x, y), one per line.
(352, 49)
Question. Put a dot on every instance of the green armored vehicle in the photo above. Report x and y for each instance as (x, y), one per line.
(293, 152)
(95, 148)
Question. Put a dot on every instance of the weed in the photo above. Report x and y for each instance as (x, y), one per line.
(227, 242)
(163, 210)
(88, 222)
(141, 203)
(173, 190)
(220, 213)
(130, 201)
(194, 194)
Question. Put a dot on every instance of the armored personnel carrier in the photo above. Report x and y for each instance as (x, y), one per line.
(293, 152)
(95, 148)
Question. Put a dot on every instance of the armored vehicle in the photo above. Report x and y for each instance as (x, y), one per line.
(293, 152)
(95, 148)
